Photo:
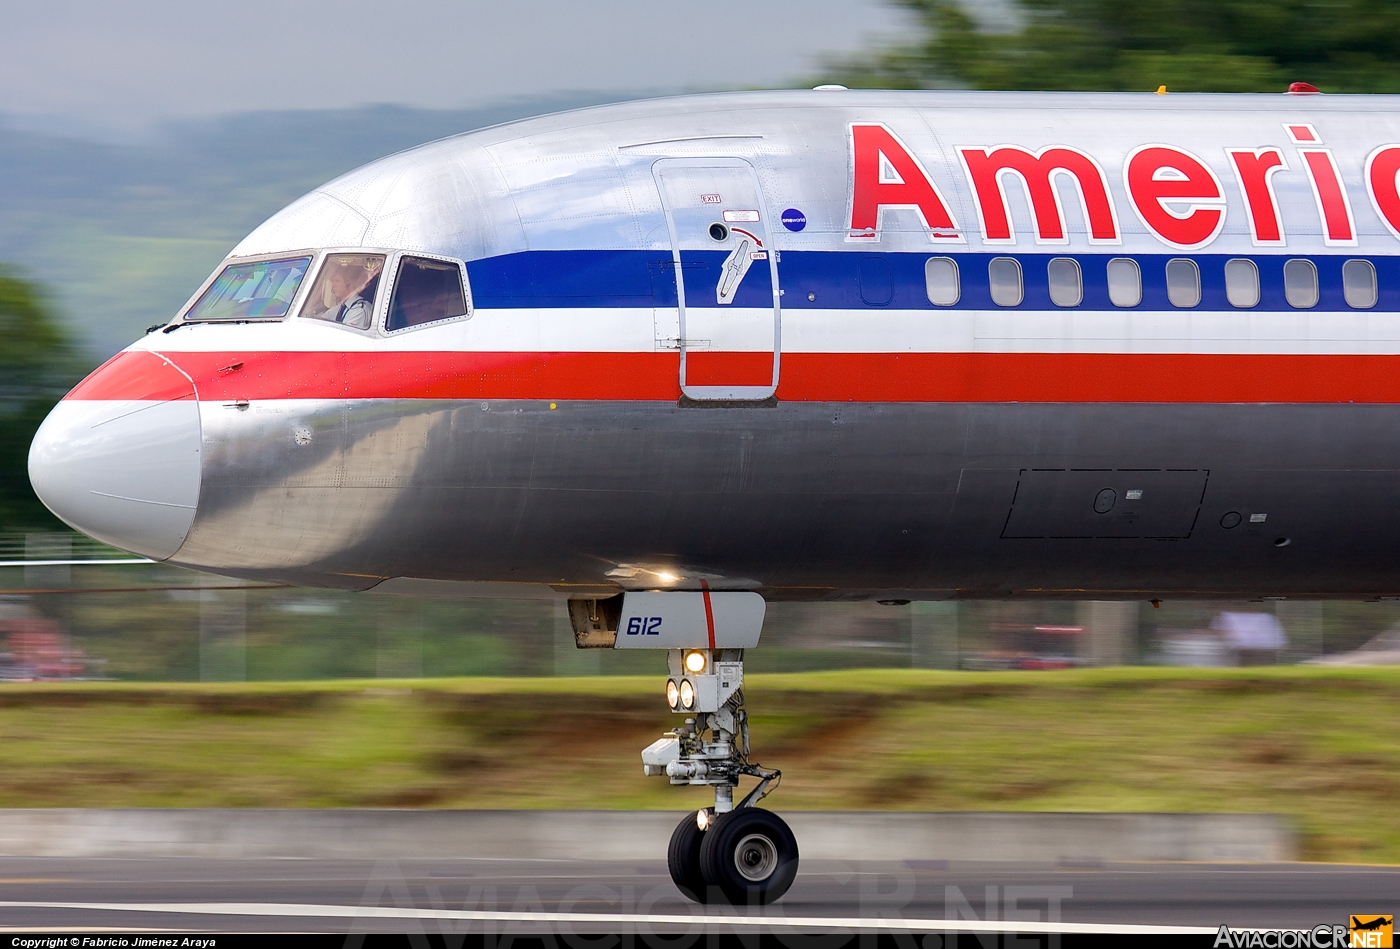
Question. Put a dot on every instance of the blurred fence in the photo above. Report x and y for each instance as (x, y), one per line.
(63, 615)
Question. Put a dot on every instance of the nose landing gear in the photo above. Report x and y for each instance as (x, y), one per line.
(740, 853)
(736, 853)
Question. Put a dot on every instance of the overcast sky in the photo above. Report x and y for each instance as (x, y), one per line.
(146, 60)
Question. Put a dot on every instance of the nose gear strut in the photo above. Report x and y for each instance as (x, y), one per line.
(740, 853)
(709, 857)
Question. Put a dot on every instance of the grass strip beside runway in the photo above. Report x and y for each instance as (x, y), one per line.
(1322, 745)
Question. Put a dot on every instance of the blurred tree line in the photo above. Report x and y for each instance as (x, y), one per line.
(38, 365)
(1187, 45)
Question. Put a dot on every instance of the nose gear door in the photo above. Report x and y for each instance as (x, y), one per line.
(726, 270)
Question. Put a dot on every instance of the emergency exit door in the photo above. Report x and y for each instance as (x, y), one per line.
(726, 278)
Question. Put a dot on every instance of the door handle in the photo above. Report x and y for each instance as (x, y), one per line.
(732, 272)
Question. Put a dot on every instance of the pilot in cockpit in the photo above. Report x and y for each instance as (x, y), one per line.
(344, 292)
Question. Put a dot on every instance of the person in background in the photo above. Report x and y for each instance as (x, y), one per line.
(1255, 639)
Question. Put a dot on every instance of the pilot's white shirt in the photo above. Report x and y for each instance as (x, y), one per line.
(355, 311)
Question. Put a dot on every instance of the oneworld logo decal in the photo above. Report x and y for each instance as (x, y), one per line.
(794, 220)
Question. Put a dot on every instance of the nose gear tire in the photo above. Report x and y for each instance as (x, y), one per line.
(683, 858)
(749, 855)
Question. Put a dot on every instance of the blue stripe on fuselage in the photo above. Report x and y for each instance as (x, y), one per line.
(853, 280)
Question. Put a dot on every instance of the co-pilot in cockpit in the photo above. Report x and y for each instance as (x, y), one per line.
(345, 290)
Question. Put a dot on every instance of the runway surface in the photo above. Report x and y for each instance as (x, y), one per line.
(561, 897)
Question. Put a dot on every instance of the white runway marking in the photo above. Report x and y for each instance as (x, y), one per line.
(655, 919)
(76, 563)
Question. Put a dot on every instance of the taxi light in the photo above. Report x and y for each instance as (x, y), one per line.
(673, 693)
(687, 694)
(695, 662)
(704, 818)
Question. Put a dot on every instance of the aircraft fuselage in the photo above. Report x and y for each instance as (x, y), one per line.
(823, 345)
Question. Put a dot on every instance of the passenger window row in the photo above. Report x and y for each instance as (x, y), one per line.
(1066, 282)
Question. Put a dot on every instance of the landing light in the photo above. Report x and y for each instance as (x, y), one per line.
(687, 694)
(673, 693)
(704, 818)
(695, 661)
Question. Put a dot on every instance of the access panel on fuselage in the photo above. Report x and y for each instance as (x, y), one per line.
(1108, 503)
(726, 278)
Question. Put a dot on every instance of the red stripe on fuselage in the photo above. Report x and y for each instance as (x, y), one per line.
(418, 375)
(806, 377)
(728, 369)
(1088, 377)
(134, 375)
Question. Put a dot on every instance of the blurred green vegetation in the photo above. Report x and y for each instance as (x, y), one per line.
(1321, 745)
(1187, 45)
(37, 366)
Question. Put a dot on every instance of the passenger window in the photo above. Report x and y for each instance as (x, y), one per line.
(1066, 283)
(1241, 282)
(345, 290)
(1183, 282)
(941, 280)
(260, 290)
(1124, 282)
(1359, 283)
(1300, 283)
(425, 291)
(1004, 274)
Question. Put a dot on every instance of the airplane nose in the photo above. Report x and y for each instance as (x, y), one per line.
(118, 458)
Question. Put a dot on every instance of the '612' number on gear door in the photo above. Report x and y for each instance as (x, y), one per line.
(643, 625)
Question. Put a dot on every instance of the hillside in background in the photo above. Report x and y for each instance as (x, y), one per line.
(122, 234)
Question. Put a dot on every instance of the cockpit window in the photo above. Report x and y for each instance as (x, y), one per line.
(261, 290)
(425, 291)
(345, 290)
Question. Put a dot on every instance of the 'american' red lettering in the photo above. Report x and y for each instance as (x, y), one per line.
(1176, 195)
(1338, 228)
(1255, 169)
(884, 175)
(1037, 172)
(1382, 168)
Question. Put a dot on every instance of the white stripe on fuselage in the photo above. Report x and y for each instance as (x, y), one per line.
(1359, 332)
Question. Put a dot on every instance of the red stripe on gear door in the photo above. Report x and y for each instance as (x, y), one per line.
(709, 611)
